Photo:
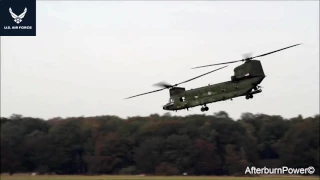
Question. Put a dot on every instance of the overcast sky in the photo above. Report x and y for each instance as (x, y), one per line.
(88, 56)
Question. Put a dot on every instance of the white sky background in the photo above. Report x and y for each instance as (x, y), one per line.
(88, 56)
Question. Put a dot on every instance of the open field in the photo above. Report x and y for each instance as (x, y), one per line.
(44, 177)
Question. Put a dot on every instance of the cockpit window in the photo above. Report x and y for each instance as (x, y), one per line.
(171, 100)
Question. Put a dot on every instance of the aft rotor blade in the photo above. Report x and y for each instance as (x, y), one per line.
(275, 51)
(200, 76)
(146, 93)
(218, 64)
(247, 58)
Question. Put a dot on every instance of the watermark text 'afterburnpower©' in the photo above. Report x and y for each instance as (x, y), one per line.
(278, 171)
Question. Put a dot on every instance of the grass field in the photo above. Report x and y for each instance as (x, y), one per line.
(39, 177)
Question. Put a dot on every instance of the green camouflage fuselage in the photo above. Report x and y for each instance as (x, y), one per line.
(244, 82)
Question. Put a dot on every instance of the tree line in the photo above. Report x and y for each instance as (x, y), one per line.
(158, 144)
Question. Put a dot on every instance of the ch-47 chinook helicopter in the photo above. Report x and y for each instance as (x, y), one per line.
(244, 82)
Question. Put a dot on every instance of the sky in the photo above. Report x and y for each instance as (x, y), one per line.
(88, 56)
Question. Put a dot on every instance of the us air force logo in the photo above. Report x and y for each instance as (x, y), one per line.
(18, 19)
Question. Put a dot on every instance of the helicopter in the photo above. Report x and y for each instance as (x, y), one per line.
(244, 82)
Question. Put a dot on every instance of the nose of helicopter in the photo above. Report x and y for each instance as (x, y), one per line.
(167, 106)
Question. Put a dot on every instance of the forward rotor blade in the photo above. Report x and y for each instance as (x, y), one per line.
(275, 51)
(200, 76)
(247, 55)
(217, 64)
(145, 93)
(163, 84)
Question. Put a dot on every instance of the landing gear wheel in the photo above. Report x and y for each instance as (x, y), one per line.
(204, 108)
(249, 96)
